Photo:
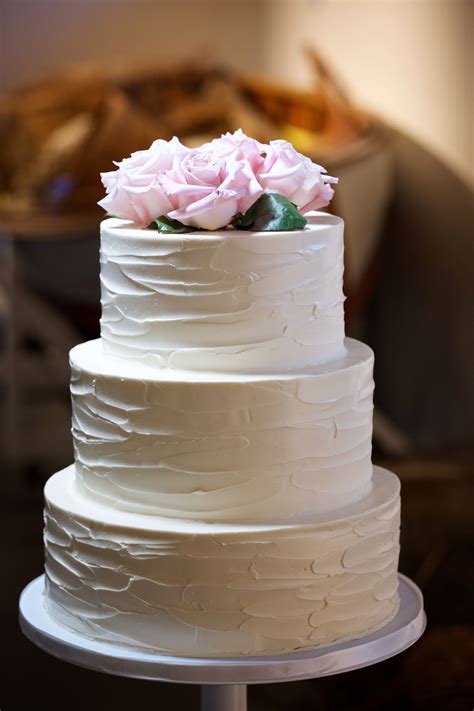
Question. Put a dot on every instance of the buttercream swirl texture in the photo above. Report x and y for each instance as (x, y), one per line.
(224, 301)
(238, 449)
(218, 590)
(223, 500)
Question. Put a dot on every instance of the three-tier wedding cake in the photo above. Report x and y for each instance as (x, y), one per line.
(223, 501)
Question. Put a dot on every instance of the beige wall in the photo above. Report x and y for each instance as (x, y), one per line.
(408, 60)
(38, 37)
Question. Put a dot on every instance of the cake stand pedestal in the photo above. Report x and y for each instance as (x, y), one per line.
(224, 680)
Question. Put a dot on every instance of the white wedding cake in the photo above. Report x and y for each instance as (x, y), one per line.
(223, 501)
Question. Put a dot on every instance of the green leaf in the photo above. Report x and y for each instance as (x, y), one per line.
(168, 226)
(271, 213)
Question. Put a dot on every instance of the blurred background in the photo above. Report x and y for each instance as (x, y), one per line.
(380, 93)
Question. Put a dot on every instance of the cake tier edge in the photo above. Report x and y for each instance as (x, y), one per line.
(232, 301)
(222, 447)
(199, 589)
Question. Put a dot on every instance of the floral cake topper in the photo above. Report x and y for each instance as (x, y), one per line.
(232, 180)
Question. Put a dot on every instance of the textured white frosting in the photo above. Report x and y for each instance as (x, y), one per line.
(233, 448)
(223, 500)
(217, 589)
(229, 301)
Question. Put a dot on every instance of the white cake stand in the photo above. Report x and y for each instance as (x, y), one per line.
(224, 681)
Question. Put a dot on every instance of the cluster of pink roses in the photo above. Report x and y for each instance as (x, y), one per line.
(206, 187)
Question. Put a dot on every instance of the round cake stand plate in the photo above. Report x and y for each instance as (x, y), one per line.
(224, 680)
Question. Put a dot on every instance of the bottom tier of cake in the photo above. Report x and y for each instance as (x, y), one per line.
(203, 590)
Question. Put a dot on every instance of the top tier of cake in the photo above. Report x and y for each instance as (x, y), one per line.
(228, 301)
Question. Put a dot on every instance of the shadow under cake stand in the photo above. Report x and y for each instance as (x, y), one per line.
(223, 681)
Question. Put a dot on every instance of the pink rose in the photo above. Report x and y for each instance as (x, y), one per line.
(239, 146)
(134, 191)
(289, 173)
(207, 189)
(207, 186)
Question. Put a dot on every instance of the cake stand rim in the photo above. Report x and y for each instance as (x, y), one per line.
(391, 639)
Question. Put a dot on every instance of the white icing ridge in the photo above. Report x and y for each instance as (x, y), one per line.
(200, 589)
(233, 448)
(228, 301)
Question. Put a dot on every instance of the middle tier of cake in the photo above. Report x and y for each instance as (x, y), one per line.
(220, 447)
